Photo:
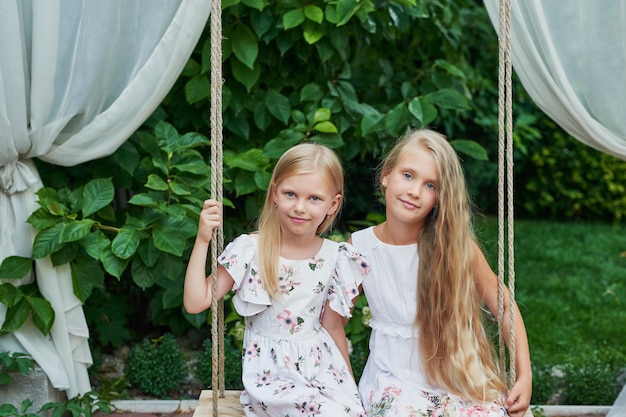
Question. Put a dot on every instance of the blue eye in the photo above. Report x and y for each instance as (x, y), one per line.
(315, 198)
(431, 186)
(407, 176)
(289, 194)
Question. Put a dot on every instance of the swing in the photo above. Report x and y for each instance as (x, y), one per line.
(226, 403)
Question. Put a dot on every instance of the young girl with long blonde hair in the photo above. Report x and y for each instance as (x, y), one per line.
(429, 351)
(294, 289)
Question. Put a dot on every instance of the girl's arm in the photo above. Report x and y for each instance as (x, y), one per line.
(333, 322)
(518, 397)
(198, 294)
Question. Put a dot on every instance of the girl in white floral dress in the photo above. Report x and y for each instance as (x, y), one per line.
(295, 360)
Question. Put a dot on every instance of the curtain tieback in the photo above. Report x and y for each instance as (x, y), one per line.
(16, 177)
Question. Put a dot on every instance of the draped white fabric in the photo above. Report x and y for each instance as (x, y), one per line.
(77, 78)
(571, 58)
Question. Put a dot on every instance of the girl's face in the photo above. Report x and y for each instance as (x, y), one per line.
(303, 202)
(411, 186)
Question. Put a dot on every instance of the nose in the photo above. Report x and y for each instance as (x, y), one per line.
(300, 206)
(414, 190)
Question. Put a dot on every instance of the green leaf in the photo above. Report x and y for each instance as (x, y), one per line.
(255, 4)
(127, 157)
(428, 110)
(197, 88)
(16, 316)
(470, 148)
(10, 295)
(156, 183)
(293, 18)
(321, 115)
(172, 297)
(192, 140)
(250, 160)
(166, 135)
(245, 46)
(346, 9)
(143, 276)
(86, 274)
(125, 244)
(246, 76)
(415, 107)
(65, 255)
(245, 183)
(42, 314)
(448, 98)
(326, 127)
(167, 237)
(262, 179)
(278, 105)
(15, 267)
(148, 253)
(113, 264)
(47, 241)
(75, 230)
(94, 243)
(333, 141)
(312, 34)
(397, 120)
(371, 123)
(314, 13)
(145, 200)
(97, 194)
(42, 219)
(239, 125)
(311, 92)
(180, 188)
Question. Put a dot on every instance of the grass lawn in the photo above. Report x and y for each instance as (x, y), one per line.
(571, 289)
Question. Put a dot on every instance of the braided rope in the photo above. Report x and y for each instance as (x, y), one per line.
(217, 240)
(505, 146)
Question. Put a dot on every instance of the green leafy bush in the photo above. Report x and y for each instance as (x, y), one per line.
(157, 366)
(232, 364)
(591, 379)
(79, 406)
(14, 362)
(563, 179)
(545, 385)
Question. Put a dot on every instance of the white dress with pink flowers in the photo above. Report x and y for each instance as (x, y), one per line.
(291, 365)
(393, 383)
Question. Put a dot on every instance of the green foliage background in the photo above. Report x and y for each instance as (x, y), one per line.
(351, 75)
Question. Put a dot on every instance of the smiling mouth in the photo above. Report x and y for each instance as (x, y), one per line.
(408, 203)
(298, 219)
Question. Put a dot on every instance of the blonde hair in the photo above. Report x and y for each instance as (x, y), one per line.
(457, 353)
(304, 158)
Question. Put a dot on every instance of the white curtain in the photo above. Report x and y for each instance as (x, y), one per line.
(77, 78)
(570, 56)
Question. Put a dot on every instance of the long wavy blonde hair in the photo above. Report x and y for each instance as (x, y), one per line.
(304, 158)
(456, 351)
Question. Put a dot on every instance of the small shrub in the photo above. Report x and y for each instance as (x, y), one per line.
(9, 410)
(232, 364)
(545, 385)
(79, 406)
(158, 366)
(14, 362)
(591, 381)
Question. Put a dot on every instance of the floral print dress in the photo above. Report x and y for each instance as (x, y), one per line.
(393, 382)
(291, 365)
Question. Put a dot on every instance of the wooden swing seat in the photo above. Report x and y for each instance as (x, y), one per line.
(229, 406)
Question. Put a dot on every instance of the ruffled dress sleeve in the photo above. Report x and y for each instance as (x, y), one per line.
(239, 260)
(350, 270)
